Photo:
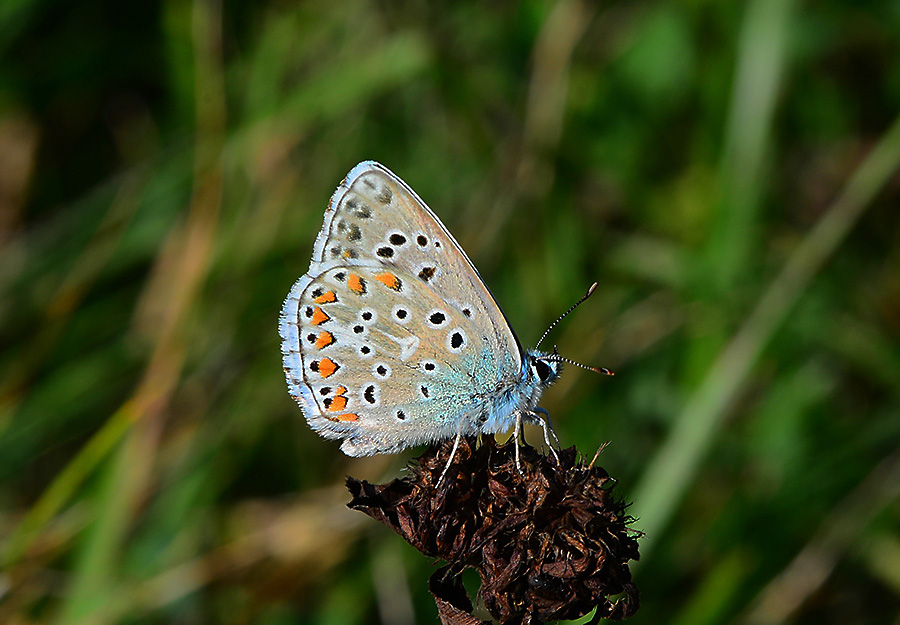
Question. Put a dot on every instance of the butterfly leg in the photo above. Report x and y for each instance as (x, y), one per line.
(543, 418)
(516, 434)
(452, 456)
(547, 431)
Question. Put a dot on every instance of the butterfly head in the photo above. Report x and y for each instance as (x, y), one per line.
(541, 368)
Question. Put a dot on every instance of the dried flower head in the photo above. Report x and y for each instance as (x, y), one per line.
(552, 544)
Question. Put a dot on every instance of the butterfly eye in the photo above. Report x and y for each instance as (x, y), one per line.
(543, 370)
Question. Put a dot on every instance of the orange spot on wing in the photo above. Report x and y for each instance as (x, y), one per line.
(326, 298)
(324, 339)
(319, 317)
(338, 402)
(389, 280)
(356, 284)
(327, 367)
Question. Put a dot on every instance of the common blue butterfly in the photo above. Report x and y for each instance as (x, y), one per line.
(391, 338)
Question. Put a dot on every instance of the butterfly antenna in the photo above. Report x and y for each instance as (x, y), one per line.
(590, 292)
(558, 358)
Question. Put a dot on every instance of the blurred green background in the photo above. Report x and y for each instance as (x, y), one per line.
(726, 171)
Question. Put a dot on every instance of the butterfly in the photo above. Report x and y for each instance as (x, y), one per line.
(391, 338)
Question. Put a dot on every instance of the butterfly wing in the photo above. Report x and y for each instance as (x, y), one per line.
(391, 338)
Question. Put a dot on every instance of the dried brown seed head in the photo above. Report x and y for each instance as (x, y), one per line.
(550, 545)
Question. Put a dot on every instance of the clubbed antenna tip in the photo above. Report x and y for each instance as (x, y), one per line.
(590, 292)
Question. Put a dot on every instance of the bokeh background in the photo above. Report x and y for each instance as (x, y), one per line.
(726, 171)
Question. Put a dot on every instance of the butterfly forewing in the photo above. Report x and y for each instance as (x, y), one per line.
(391, 338)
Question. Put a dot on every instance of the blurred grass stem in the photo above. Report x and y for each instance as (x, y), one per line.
(809, 570)
(182, 267)
(672, 470)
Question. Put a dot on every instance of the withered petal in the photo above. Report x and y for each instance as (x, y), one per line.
(454, 606)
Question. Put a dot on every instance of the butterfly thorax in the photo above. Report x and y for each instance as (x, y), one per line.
(537, 373)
